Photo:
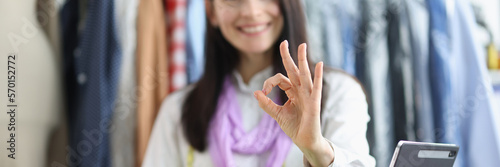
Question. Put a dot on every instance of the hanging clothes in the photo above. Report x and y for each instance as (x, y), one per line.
(152, 75)
(195, 25)
(333, 28)
(349, 17)
(471, 122)
(314, 30)
(485, 27)
(95, 65)
(418, 20)
(400, 65)
(376, 79)
(332, 31)
(69, 27)
(323, 30)
(124, 115)
(439, 68)
(488, 12)
(176, 31)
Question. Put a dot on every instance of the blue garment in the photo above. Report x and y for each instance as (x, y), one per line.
(96, 66)
(346, 12)
(332, 26)
(471, 121)
(439, 66)
(497, 89)
(69, 27)
(348, 21)
(400, 59)
(374, 49)
(323, 31)
(332, 30)
(195, 41)
(418, 17)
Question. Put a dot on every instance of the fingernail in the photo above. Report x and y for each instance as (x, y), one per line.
(264, 91)
(286, 43)
(255, 94)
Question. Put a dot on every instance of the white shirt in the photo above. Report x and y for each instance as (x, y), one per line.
(124, 113)
(344, 123)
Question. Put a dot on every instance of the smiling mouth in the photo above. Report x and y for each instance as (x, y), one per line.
(254, 30)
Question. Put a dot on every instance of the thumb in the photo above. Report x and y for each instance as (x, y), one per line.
(267, 104)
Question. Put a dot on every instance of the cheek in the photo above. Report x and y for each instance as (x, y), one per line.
(274, 10)
(225, 17)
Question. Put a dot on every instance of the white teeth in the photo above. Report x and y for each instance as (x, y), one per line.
(254, 29)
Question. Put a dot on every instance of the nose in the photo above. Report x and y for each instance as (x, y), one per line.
(251, 8)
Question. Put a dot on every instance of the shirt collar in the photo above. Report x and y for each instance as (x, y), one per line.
(255, 83)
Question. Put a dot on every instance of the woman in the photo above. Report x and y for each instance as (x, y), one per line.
(218, 122)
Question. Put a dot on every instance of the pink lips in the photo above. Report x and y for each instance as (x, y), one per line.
(254, 29)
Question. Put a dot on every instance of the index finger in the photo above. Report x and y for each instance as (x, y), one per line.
(277, 80)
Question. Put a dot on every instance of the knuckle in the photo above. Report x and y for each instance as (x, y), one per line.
(283, 79)
(280, 75)
(266, 82)
(284, 82)
(299, 84)
(269, 102)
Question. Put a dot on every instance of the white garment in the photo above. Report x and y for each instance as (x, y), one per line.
(124, 114)
(344, 122)
(491, 12)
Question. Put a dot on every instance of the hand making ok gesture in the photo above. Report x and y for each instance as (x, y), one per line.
(299, 117)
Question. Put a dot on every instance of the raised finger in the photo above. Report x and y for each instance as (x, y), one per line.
(305, 74)
(318, 81)
(290, 67)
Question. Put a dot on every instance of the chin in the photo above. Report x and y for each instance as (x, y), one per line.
(256, 48)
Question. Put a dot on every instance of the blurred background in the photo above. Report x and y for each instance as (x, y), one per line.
(90, 75)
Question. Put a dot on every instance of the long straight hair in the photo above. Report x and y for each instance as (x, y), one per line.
(221, 59)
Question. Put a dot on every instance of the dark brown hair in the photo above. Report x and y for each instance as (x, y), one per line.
(221, 59)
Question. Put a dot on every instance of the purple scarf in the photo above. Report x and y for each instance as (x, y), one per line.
(227, 136)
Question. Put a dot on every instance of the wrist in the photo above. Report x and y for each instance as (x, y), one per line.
(319, 154)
